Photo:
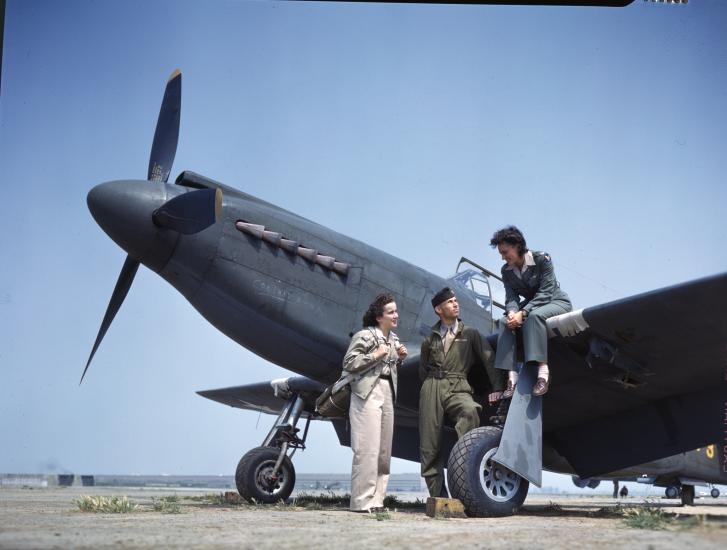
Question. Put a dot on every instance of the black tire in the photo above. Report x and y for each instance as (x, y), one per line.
(671, 492)
(687, 495)
(485, 488)
(253, 476)
(714, 492)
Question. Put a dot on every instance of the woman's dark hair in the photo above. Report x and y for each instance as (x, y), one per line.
(376, 309)
(510, 235)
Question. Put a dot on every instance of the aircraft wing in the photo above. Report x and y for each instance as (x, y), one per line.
(639, 378)
(263, 397)
(268, 397)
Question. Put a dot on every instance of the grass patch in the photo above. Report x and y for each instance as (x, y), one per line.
(609, 512)
(651, 517)
(307, 501)
(166, 505)
(393, 502)
(217, 499)
(646, 517)
(106, 505)
(554, 507)
(380, 516)
(321, 501)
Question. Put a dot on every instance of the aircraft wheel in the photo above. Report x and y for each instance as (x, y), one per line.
(485, 488)
(593, 483)
(714, 492)
(687, 495)
(671, 492)
(254, 476)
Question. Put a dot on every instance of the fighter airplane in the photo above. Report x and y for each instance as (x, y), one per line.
(672, 473)
(638, 379)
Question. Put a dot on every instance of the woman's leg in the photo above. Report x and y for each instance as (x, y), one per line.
(535, 331)
(505, 357)
(387, 436)
(365, 418)
(535, 341)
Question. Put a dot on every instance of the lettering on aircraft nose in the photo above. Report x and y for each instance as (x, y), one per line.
(309, 254)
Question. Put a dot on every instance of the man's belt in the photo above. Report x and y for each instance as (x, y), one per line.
(440, 374)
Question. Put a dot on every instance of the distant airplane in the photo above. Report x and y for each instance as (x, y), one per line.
(638, 379)
(685, 470)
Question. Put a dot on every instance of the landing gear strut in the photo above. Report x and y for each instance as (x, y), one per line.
(265, 474)
(687, 495)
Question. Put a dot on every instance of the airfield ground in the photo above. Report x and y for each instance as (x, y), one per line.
(49, 518)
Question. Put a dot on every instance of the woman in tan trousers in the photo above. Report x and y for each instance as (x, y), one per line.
(373, 357)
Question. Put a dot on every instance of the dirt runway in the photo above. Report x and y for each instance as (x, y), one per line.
(49, 518)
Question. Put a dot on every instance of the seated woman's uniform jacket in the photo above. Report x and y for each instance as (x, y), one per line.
(359, 360)
(538, 285)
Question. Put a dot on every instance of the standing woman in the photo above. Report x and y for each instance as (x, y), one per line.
(532, 294)
(373, 355)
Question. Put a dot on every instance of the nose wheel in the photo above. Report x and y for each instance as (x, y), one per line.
(258, 479)
(265, 474)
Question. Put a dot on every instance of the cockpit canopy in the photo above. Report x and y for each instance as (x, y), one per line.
(481, 285)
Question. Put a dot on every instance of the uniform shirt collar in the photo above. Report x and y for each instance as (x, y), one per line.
(529, 261)
(444, 328)
(380, 335)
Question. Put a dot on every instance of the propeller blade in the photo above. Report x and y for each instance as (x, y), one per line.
(166, 135)
(190, 212)
(117, 298)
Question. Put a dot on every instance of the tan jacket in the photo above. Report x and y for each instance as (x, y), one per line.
(359, 362)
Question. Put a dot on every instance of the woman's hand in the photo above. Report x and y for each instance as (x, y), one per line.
(514, 319)
(381, 352)
(494, 397)
(401, 350)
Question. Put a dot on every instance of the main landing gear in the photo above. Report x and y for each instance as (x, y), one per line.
(265, 474)
(687, 495)
(485, 488)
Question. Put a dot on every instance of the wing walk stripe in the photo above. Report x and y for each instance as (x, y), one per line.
(567, 324)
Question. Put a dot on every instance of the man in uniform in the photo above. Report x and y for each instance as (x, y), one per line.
(447, 355)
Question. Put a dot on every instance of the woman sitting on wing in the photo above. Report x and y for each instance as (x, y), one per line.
(532, 294)
(374, 354)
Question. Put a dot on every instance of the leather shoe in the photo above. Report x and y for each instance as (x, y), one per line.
(509, 391)
(541, 386)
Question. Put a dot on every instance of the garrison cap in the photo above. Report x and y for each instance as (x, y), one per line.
(442, 296)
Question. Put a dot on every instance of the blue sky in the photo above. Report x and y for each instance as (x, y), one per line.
(418, 129)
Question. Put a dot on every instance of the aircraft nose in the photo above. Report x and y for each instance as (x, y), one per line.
(124, 209)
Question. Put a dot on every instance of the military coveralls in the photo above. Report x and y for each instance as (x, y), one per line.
(445, 390)
(543, 298)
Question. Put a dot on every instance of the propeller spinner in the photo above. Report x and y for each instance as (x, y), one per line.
(187, 213)
(163, 150)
